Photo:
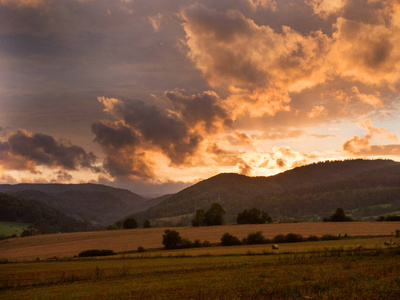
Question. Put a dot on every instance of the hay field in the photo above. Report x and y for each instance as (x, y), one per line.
(70, 244)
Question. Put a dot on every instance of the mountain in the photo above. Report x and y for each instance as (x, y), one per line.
(43, 217)
(98, 204)
(284, 195)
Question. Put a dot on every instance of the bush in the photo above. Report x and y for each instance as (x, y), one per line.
(313, 238)
(111, 227)
(141, 249)
(329, 237)
(130, 223)
(256, 238)
(171, 239)
(280, 238)
(206, 244)
(229, 240)
(197, 244)
(146, 224)
(96, 252)
(293, 238)
(186, 243)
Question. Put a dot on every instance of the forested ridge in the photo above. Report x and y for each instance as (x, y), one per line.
(39, 215)
(365, 188)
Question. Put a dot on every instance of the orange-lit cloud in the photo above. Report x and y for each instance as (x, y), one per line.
(362, 145)
(155, 21)
(23, 3)
(253, 61)
(324, 8)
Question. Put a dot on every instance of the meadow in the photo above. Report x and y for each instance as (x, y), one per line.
(307, 270)
(331, 273)
(11, 228)
(70, 244)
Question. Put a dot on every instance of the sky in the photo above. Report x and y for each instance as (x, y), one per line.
(155, 95)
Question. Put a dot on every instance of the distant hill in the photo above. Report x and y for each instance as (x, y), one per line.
(43, 217)
(284, 195)
(98, 204)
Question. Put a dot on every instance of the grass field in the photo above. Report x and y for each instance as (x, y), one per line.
(10, 228)
(328, 274)
(70, 244)
(307, 270)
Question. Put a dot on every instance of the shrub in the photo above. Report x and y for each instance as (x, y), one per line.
(186, 243)
(255, 238)
(171, 239)
(280, 238)
(313, 238)
(229, 240)
(397, 233)
(130, 223)
(293, 238)
(197, 244)
(111, 227)
(206, 244)
(329, 237)
(141, 249)
(146, 224)
(96, 252)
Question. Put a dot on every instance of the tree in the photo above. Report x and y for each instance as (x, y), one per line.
(171, 239)
(215, 215)
(338, 216)
(255, 238)
(199, 218)
(146, 224)
(253, 216)
(229, 240)
(130, 223)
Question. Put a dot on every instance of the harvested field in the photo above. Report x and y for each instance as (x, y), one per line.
(70, 244)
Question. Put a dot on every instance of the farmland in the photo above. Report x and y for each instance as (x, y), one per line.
(70, 244)
(318, 269)
(331, 273)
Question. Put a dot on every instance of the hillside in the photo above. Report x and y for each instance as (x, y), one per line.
(98, 204)
(287, 195)
(43, 217)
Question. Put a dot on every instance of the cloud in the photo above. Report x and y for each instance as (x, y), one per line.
(317, 111)
(266, 4)
(279, 135)
(205, 111)
(155, 21)
(369, 52)
(23, 3)
(24, 151)
(324, 8)
(322, 136)
(120, 144)
(143, 134)
(362, 145)
(253, 61)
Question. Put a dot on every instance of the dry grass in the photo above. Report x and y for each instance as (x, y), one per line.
(70, 244)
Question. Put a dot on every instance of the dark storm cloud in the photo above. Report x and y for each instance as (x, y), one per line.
(119, 143)
(117, 136)
(161, 128)
(40, 149)
(204, 109)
